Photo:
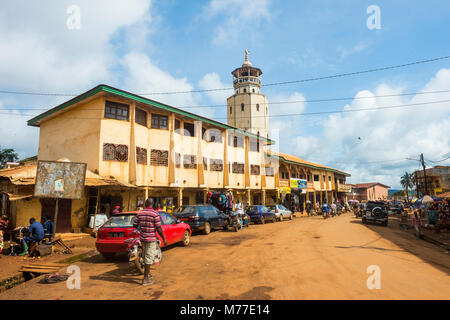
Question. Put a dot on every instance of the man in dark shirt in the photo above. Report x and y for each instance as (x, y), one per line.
(36, 234)
(49, 227)
(149, 223)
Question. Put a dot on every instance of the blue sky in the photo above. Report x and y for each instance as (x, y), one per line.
(154, 46)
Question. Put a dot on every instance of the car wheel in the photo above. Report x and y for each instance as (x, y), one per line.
(186, 239)
(139, 262)
(108, 255)
(207, 229)
(262, 220)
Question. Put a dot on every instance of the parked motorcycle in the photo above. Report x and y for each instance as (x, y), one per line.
(135, 252)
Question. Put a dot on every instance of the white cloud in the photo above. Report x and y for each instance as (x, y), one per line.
(39, 53)
(42, 53)
(357, 48)
(284, 129)
(212, 81)
(388, 134)
(239, 17)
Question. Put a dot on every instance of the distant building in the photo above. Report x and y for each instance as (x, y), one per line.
(368, 191)
(437, 180)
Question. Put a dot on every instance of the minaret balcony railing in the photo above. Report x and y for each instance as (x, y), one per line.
(247, 79)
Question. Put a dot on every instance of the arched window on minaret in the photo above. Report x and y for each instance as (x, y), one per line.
(257, 109)
(245, 90)
(231, 110)
(242, 107)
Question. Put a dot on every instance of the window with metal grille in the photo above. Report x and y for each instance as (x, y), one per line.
(215, 135)
(189, 129)
(237, 167)
(177, 125)
(216, 164)
(115, 152)
(189, 161)
(269, 171)
(316, 177)
(254, 169)
(141, 155)
(115, 110)
(159, 121)
(205, 163)
(177, 160)
(159, 158)
(140, 117)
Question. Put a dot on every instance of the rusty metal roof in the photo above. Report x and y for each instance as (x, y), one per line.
(26, 175)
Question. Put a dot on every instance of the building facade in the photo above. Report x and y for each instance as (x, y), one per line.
(372, 191)
(437, 181)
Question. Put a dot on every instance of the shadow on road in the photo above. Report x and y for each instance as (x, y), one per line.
(429, 253)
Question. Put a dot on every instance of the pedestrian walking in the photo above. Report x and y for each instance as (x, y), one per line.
(149, 223)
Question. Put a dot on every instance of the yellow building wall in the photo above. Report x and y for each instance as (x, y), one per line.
(73, 135)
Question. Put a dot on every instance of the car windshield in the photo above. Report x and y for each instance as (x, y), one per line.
(186, 210)
(120, 221)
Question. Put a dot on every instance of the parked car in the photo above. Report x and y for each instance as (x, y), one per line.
(281, 212)
(260, 214)
(113, 233)
(375, 211)
(202, 217)
(396, 207)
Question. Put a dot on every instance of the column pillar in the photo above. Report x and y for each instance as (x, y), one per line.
(263, 195)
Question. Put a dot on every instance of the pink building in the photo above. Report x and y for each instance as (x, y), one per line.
(368, 191)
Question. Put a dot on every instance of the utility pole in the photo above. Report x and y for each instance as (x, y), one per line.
(424, 173)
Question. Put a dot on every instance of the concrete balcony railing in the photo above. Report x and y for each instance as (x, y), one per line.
(341, 187)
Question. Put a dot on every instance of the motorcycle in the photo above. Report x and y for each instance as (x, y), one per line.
(235, 221)
(135, 252)
(325, 213)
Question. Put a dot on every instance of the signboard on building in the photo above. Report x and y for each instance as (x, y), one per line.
(310, 186)
(60, 179)
(299, 184)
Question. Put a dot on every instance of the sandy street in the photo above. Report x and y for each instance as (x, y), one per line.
(307, 258)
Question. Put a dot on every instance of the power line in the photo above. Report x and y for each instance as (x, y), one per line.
(264, 85)
(282, 102)
(297, 114)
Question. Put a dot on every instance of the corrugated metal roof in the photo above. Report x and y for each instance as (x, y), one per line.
(300, 161)
(26, 175)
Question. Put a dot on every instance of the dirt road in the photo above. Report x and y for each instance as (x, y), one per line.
(307, 258)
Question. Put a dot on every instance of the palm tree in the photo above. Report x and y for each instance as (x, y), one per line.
(407, 182)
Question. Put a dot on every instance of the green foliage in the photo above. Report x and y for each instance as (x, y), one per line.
(7, 155)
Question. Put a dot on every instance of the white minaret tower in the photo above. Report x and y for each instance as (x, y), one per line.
(248, 109)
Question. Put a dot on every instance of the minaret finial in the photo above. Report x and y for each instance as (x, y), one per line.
(246, 62)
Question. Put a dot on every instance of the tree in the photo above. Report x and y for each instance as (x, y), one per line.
(407, 182)
(7, 155)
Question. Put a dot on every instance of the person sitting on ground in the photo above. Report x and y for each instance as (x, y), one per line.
(36, 234)
(49, 228)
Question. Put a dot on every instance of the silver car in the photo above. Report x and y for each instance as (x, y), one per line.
(281, 212)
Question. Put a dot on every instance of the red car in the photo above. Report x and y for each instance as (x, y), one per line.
(119, 227)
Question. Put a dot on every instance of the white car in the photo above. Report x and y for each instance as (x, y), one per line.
(281, 212)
